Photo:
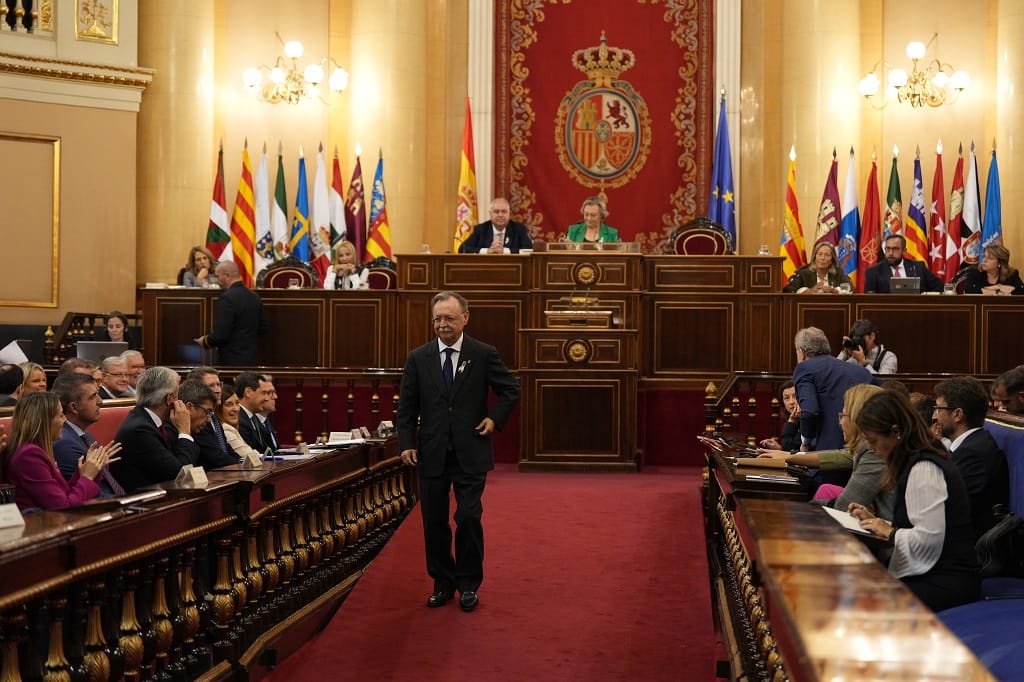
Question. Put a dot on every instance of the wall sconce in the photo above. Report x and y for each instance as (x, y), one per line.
(288, 82)
(935, 84)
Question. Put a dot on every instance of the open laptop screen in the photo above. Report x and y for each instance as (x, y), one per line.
(905, 285)
(97, 350)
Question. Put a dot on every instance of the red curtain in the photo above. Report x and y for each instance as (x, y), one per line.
(642, 138)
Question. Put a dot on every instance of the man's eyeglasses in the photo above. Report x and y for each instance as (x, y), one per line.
(944, 407)
(447, 319)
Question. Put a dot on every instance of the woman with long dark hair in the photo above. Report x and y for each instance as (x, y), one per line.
(931, 534)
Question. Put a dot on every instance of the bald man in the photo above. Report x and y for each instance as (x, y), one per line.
(238, 320)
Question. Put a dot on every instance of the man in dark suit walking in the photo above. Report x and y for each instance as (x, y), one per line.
(238, 320)
(445, 386)
(499, 234)
(877, 278)
(156, 434)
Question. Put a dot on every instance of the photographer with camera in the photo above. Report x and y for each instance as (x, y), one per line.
(861, 347)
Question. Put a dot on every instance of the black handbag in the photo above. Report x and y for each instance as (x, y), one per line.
(1001, 549)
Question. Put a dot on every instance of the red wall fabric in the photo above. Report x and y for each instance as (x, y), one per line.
(672, 42)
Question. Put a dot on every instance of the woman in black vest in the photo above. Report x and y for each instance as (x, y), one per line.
(930, 533)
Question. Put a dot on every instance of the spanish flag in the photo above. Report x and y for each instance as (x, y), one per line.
(466, 208)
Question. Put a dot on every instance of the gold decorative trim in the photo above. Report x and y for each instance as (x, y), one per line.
(578, 351)
(83, 72)
(54, 143)
(97, 21)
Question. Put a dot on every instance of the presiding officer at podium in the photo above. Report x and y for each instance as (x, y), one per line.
(499, 234)
(444, 386)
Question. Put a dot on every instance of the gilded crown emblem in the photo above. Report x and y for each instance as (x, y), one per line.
(603, 64)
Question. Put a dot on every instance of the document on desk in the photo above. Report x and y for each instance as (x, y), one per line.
(771, 478)
(847, 521)
(290, 456)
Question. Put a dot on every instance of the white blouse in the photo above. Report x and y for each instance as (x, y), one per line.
(917, 549)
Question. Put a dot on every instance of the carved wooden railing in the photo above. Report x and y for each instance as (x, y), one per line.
(212, 583)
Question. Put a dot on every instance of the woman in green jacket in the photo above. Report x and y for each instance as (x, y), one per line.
(593, 229)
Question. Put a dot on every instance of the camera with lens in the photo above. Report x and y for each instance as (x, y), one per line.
(852, 343)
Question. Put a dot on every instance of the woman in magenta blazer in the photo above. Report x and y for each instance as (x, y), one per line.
(29, 464)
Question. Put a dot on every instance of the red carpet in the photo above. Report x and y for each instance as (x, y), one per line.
(588, 577)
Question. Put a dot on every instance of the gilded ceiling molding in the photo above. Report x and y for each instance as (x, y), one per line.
(80, 72)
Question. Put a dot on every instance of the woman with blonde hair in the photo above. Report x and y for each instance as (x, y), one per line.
(593, 229)
(35, 378)
(29, 463)
(199, 272)
(346, 273)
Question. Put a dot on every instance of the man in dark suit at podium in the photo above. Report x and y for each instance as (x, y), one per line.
(499, 234)
(238, 320)
(445, 387)
(878, 277)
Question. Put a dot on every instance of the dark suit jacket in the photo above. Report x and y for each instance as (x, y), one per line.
(978, 280)
(106, 393)
(250, 432)
(516, 237)
(146, 457)
(237, 323)
(876, 280)
(986, 474)
(68, 449)
(211, 455)
(448, 422)
(821, 382)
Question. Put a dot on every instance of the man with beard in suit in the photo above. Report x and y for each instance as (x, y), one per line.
(445, 387)
(878, 277)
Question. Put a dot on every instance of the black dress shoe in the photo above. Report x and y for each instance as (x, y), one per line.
(439, 598)
(468, 600)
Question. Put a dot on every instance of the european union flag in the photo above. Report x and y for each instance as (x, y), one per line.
(722, 206)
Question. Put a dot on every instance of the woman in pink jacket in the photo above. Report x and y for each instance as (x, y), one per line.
(28, 459)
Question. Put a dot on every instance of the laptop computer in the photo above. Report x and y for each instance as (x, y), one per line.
(905, 285)
(97, 350)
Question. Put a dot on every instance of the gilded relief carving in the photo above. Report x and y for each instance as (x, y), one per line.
(46, 16)
(96, 20)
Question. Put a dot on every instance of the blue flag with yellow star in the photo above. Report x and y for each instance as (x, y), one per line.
(722, 205)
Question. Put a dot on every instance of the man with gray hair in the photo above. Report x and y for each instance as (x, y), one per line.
(821, 381)
(114, 383)
(156, 434)
(136, 365)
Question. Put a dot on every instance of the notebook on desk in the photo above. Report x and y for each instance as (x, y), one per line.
(905, 285)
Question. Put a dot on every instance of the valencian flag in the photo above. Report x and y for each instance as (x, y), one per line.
(320, 220)
(846, 249)
(279, 212)
(970, 229)
(914, 230)
(466, 207)
(829, 212)
(243, 232)
(217, 238)
(893, 201)
(722, 205)
(339, 230)
(938, 236)
(378, 241)
(298, 242)
(956, 218)
(355, 208)
(992, 225)
(792, 249)
(264, 254)
(871, 228)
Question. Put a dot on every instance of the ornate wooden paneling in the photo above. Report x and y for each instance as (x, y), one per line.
(690, 337)
(587, 270)
(299, 316)
(469, 272)
(1000, 339)
(173, 320)
(361, 330)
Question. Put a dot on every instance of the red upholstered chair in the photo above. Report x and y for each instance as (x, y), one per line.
(382, 278)
(279, 274)
(701, 237)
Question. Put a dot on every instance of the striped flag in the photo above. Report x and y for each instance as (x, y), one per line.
(871, 228)
(937, 222)
(279, 212)
(992, 225)
(217, 237)
(914, 230)
(243, 232)
(956, 219)
(970, 235)
(378, 241)
(829, 212)
(846, 249)
(893, 202)
(264, 254)
(722, 204)
(298, 242)
(339, 230)
(792, 249)
(320, 223)
(466, 207)
(355, 208)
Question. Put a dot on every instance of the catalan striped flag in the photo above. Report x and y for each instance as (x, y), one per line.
(298, 242)
(378, 241)
(243, 230)
(466, 208)
(871, 228)
(915, 229)
(792, 248)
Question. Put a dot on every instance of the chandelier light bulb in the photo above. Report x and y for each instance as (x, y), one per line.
(276, 75)
(915, 50)
(293, 49)
(338, 80)
(869, 85)
(960, 80)
(314, 74)
(897, 78)
(252, 77)
(940, 80)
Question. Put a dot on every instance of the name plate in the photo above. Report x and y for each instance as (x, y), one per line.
(252, 460)
(10, 516)
(192, 475)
